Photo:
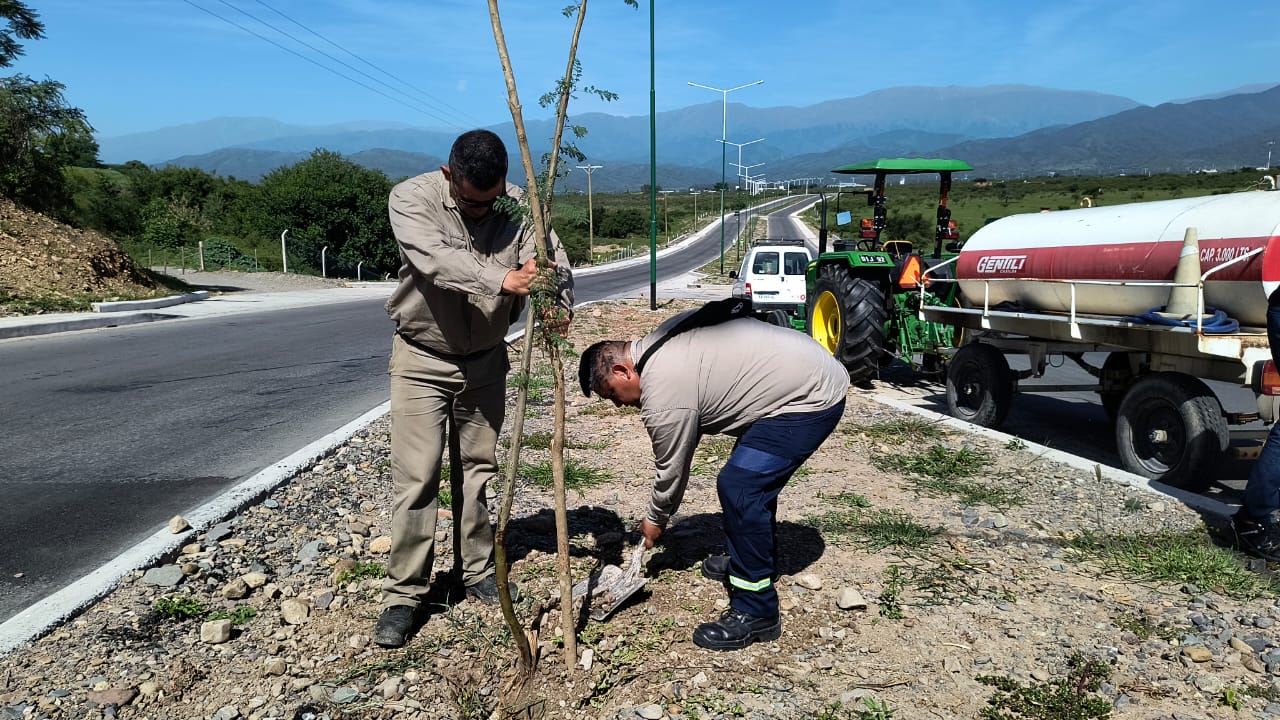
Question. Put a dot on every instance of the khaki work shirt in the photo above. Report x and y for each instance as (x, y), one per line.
(450, 295)
(719, 380)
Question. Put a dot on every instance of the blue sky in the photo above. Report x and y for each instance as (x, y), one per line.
(136, 65)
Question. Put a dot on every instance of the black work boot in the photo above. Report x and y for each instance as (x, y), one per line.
(1257, 536)
(716, 568)
(486, 591)
(394, 625)
(735, 630)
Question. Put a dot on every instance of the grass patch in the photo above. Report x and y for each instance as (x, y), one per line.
(881, 529)
(1144, 628)
(846, 499)
(874, 531)
(238, 615)
(937, 462)
(361, 571)
(1068, 698)
(577, 476)
(941, 471)
(541, 386)
(604, 408)
(1181, 557)
(905, 430)
(1265, 691)
(180, 607)
(873, 709)
(541, 440)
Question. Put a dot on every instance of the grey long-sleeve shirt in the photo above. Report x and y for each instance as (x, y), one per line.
(452, 267)
(719, 380)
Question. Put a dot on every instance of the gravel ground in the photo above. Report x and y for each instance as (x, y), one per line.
(268, 614)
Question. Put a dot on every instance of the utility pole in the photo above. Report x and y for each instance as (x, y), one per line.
(591, 218)
(1269, 144)
(724, 115)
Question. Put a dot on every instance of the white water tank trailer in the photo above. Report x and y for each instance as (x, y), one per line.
(1031, 257)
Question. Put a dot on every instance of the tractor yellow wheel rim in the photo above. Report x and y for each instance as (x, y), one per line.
(826, 321)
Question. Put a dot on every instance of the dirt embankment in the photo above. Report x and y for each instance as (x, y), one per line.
(47, 265)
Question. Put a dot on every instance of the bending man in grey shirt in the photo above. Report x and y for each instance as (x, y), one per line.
(776, 390)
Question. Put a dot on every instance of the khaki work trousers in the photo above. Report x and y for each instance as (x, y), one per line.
(430, 395)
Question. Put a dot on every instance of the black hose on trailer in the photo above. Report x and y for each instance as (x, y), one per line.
(1218, 324)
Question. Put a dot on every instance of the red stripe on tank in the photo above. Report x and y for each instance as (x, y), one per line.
(1145, 261)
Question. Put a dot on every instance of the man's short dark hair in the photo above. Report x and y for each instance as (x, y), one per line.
(596, 362)
(480, 158)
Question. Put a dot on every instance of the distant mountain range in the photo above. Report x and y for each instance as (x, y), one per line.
(1000, 130)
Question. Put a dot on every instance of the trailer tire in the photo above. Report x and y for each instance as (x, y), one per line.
(847, 317)
(1170, 428)
(979, 387)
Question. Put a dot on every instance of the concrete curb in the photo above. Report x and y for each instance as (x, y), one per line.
(102, 316)
(129, 305)
(56, 608)
(81, 323)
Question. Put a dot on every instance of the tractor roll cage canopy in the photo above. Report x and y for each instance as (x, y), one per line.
(904, 166)
(944, 230)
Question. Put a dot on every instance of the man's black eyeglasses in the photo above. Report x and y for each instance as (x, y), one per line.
(466, 203)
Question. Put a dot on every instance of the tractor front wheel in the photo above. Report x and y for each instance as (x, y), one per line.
(847, 317)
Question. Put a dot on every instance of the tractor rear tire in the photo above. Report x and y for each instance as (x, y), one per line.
(847, 316)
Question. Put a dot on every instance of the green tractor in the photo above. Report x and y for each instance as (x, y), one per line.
(865, 294)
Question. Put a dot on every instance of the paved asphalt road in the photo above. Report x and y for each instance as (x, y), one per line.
(109, 433)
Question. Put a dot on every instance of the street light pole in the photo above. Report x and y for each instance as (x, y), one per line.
(746, 178)
(284, 255)
(591, 218)
(740, 146)
(724, 125)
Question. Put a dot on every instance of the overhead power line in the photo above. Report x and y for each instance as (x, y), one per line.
(318, 64)
(393, 76)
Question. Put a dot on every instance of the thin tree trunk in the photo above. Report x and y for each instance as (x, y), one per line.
(545, 253)
(524, 654)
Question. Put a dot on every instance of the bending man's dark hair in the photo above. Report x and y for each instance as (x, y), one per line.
(480, 158)
(596, 362)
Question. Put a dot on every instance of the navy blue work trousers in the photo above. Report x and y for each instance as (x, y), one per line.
(762, 461)
(1262, 492)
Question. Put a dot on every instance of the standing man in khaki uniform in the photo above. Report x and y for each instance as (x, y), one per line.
(776, 390)
(465, 268)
